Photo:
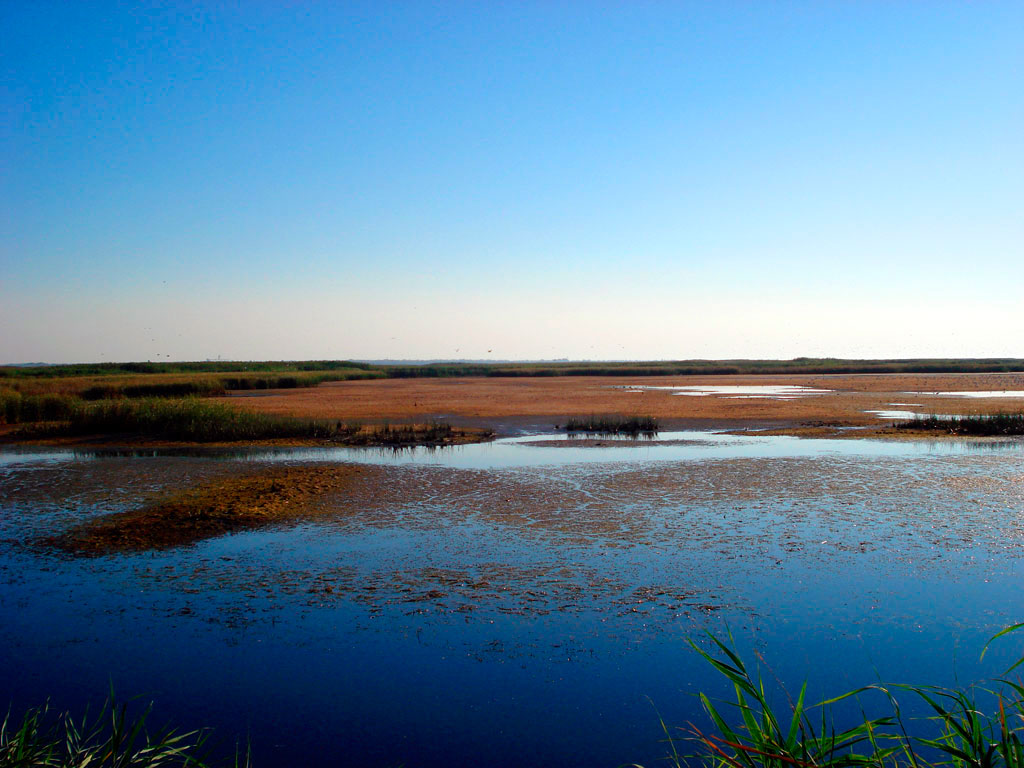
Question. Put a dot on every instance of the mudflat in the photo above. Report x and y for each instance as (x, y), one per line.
(498, 403)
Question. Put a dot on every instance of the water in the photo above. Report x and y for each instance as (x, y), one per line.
(544, 450)
(515, 603)
(735, 391)
(982, 394)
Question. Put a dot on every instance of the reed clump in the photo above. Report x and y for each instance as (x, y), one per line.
(994, 425)
(193, 388)
(16, 408)
(189, 419)
(196, 420)
(113, 737)
(981, 726)
(612, 425)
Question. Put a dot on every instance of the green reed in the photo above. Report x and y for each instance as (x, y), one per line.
(752, 731)
(612, 424)
(110, 738)
(981, 426)
(16, 408)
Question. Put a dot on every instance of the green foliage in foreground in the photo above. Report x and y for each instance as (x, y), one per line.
(110, 739)
(981, 426)
(752, 732)
(612, 425)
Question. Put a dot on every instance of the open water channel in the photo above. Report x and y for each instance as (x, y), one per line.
(523, 602)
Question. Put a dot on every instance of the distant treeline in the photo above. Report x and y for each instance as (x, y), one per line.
(206, 366)
(800, 365)
(285, 374)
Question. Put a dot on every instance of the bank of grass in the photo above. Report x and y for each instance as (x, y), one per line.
(219, 386)
(195, 420)
(343, 369)
(190, 420)
(16, 408)
(795, 366)
(612, 425)
(242, 367)
(981, 726)
(112, 737)
(994, 425)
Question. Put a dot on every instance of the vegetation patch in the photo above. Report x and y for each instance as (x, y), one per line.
(345, 369)
(200, 421)
(111, 738)
(210, 509)
(977, 727)
(16, 408)
(994, 425)
(612, 425)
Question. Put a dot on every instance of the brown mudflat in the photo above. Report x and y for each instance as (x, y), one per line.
(494, 402)
(212, 508)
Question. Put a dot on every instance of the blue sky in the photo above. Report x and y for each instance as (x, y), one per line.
(547, 179)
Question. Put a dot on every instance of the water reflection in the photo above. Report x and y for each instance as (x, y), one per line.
(545, 449)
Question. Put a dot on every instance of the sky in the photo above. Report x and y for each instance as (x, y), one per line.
(511, 180)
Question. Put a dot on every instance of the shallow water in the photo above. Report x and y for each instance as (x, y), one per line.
(734, 391)
(976, 393)
(542, 450)
(515, 603)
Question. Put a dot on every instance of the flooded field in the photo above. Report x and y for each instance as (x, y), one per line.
(522, 602)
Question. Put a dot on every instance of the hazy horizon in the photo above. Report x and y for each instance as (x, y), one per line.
(531, 181)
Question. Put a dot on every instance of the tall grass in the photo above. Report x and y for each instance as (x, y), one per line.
(195, 387)
(612, 425)
(213, 387)
(16, 408)
(192, 420)
(999, 424)
(753, 732)
(203, 421)
(109, 739)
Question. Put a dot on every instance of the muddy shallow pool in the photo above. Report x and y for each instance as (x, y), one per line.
(513, 603)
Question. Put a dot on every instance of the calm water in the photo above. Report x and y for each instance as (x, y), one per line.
(518, 603)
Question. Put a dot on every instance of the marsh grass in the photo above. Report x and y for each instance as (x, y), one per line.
(999, 424)
(800, 365)
(612, 425)
(752, 731)
(189, 419)
(193, 388)
(408, 434)
(110, 738)
(16, 408)
(349, 369)
(203, 421)
(216, 387)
